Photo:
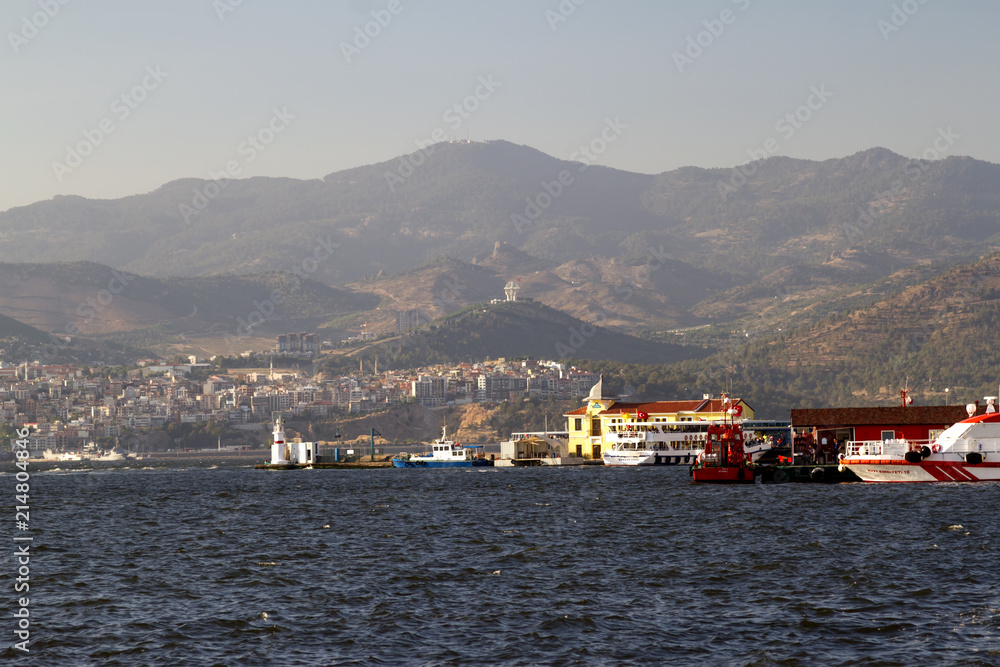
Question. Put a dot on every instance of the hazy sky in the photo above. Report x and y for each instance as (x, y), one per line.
(110, 98)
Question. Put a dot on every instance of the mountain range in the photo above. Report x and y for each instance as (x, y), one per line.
(714, 259)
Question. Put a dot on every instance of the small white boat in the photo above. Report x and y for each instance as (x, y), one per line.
(968, 451)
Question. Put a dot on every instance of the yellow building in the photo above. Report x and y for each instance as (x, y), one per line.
(589, 425)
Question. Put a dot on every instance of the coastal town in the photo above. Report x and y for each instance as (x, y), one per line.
(68, 407)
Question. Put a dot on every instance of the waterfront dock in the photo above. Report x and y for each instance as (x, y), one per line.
(815, 474)
(323, 464)
(547, 461)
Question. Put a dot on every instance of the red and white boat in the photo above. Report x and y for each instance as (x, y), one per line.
(968, 451)
(724, 460)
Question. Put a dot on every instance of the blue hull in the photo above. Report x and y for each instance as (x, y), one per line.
(477, 463)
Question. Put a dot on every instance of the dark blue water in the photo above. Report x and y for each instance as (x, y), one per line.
(554, 566)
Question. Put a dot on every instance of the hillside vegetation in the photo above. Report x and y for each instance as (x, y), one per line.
(511, 330)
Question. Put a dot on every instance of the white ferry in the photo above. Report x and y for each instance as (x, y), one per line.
(968, 451)
(658, 443)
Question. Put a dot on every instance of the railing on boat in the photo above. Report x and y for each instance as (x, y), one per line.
(898, 447)
(893, 446)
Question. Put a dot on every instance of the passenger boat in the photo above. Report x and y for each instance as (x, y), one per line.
(658, 443)
(967, 451)
(445, 453)
(725, 460)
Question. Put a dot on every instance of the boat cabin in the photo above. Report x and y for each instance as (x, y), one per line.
(724, 446)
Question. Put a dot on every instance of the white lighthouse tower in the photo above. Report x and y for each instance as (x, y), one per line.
(278, 449)
(294, 452)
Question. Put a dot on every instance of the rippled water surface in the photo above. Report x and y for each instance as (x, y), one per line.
(229, 565)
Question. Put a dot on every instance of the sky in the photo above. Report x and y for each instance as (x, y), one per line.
(111, 98)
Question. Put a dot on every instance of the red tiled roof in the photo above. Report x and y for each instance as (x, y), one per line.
(661, 407)
(895, 415)
(657, 407)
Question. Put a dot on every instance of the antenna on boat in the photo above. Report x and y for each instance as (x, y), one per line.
(903, 393)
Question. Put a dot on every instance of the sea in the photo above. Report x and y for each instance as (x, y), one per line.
(203, 563)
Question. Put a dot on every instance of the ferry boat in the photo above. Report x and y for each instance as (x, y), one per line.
(967, 451)
(653, 443)
(445, 453)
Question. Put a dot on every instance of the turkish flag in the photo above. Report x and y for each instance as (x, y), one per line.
(642, 416)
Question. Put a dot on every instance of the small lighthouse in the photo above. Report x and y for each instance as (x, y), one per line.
(295, 452)
(278, 451)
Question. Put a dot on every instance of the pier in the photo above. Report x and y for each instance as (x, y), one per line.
(815, 474)
(323, 465)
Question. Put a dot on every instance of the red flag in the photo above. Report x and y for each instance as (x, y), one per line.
(643, 416)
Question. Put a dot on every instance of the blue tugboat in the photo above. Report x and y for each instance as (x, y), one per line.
(446, 454)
